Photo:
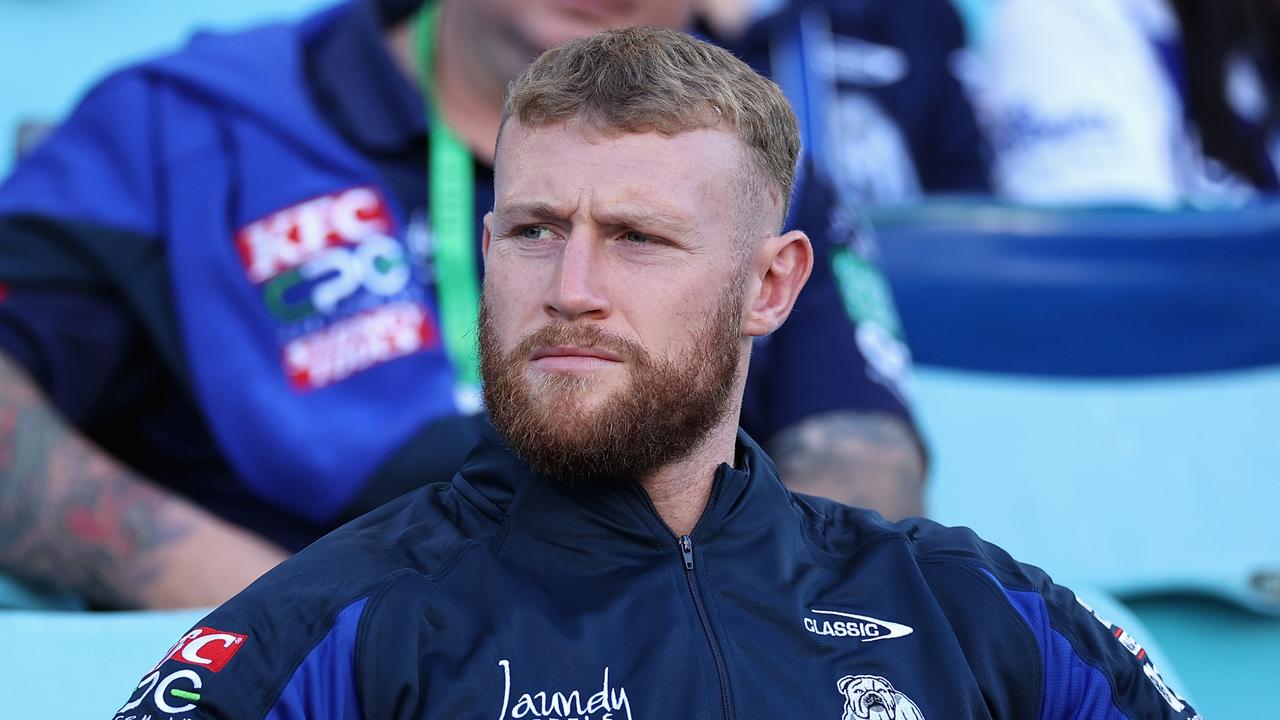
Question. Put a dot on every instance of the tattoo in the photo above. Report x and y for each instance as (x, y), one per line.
(869, 460)
(70, 516)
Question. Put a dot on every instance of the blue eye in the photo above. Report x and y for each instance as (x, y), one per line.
(535, 232)
(636, 237)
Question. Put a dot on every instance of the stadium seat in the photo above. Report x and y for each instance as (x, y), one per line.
(72, 665)
(1129, 485)
(1085, 293)
(1229, 655)
(1100, 390)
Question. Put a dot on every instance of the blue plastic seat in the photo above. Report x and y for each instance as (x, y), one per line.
(1101, 393)
(1132, 486)
(74, 665)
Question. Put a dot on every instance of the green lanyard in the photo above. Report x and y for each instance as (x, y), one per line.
(451, 208)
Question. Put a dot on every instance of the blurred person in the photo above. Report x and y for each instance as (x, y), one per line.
(882, 112)
(619, 549)
(1148, 102)
(1231, 85)
(239, 293)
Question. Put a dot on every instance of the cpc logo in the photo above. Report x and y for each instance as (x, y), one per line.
(377, 265)
(309, 257)
(207, 647)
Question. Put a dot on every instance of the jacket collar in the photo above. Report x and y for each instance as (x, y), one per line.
(619, 517)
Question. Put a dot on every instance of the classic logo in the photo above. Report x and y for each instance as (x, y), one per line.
(608, 703)
(871, 697)
(207, 647)
(833, 623)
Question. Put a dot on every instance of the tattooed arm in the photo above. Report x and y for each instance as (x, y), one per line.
(73, 517)
(870, 460)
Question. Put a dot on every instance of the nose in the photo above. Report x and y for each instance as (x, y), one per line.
(578, 290)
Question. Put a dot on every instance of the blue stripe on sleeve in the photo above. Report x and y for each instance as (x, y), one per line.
(1072, 688)
(324, 685)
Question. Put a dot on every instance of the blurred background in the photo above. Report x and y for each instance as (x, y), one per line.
(1094, 322)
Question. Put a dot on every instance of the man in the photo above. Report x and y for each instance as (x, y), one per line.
(619, 549)
(238, 298)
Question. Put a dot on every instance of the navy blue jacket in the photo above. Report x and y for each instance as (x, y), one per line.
(504, 595)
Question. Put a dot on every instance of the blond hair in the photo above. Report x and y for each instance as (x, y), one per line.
(643, 79)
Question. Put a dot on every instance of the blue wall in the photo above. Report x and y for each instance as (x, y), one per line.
(52, 51)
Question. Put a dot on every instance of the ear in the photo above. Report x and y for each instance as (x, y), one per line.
(779, 268)
(843, 683)
(486, 237)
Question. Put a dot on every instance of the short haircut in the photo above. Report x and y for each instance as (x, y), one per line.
(643, 79)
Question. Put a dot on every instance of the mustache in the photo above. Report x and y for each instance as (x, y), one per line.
(582, 336)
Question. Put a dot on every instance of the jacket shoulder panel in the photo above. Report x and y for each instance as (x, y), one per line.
(1086, 666)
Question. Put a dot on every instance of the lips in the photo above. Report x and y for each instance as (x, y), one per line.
(574, 351)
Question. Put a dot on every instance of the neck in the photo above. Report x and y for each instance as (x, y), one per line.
(469, 83)
(680, 491)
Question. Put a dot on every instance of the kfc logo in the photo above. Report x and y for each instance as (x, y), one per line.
(289, 238)
(871, 697)
(208, 648)
(339, 284)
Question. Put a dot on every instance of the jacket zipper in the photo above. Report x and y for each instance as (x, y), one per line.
(684, 543)
(691, 575)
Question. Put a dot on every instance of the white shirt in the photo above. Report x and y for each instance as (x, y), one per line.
(1081, 107)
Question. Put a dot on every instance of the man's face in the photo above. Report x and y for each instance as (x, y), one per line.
(611, 330)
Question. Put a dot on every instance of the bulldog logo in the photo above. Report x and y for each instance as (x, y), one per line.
(871, 697)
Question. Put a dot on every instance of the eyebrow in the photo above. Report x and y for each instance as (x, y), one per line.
(634, 216)
(530, 209)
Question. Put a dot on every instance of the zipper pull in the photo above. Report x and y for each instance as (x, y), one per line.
(686, 549)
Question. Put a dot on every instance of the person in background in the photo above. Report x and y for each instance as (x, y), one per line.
(881, 111)
(1231, 86)
(241, 282)
(1148, 102)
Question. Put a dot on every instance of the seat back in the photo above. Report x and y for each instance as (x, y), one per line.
(79, 664)
(1101, 389)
